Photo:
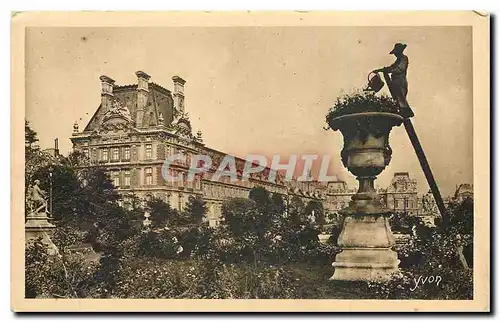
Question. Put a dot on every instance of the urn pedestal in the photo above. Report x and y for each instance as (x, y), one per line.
(366, 238)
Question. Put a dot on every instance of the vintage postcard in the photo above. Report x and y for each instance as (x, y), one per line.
(251, 161)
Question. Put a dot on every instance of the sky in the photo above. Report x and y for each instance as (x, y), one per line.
(264, 90)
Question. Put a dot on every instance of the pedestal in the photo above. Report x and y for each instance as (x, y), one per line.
(38, 225)
(366, 243)
(366, 238)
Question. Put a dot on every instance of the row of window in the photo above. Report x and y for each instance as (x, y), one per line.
(118, 153)
(122, 178)
(168, 198)
(117, 178)
(123, 154)
(403, 203)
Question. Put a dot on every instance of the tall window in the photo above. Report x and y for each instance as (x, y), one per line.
(149, 176)
(126, 178)
(116, 179)
(180, 202)
(198, 182)
(116, 154)
(182, 156)
(86, 152)
(105, 155)
(180, 183)
(149, 151)
(171, 174)
(126, 153)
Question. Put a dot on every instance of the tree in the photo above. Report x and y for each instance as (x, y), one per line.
(65, 185)
(319, 211)
(76, 159)
(30, 137)
(240, 216)
(265, 209)
(460, 217)
(296, 211)
(195, 209)
(278, 204)
(86, 199)
(262, 199)
(162, 214)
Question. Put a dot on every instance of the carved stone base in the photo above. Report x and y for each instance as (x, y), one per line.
(38, 225)
(366, 255)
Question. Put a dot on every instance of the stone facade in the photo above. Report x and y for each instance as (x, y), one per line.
(401, 194)
(136, 127)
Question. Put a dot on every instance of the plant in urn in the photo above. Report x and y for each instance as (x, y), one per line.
(365, 121)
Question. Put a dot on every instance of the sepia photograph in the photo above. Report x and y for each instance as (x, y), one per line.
(275, 157)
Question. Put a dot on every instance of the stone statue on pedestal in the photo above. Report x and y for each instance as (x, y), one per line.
(37, 221)
(36, 199)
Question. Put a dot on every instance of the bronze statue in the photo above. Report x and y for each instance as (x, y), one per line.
(398, 82)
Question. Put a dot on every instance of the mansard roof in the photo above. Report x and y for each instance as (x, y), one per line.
(159, 100)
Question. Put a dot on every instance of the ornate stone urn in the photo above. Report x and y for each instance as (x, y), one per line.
(366, 238)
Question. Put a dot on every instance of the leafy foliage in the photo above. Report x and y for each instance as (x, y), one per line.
(319, 212)
(195, 209)
(30, 137)
(56, 276)
(162, 214)
(435, 252)
(360, 102)
(264, 248)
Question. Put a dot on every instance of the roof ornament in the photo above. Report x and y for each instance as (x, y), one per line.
(161, 120)
(119, 110)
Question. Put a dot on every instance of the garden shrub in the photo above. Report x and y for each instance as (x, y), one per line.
(49, 276)
(360, 102)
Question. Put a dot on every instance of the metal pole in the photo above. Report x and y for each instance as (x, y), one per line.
(50, 197)
(419, 151)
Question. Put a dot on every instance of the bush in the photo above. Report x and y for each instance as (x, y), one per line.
(56, 276)
(161, 244)
(360, 102)
(452, 285)
(434, 252)
(156, 278)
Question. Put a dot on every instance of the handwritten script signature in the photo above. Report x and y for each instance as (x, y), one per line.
(426, 279)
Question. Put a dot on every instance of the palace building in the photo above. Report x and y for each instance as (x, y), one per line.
(136, 127)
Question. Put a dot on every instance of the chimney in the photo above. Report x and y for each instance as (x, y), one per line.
(106, 92)
(178, 94)
(56, 146)
(142, 95)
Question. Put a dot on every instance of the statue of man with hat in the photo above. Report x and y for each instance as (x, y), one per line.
(398, 70)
